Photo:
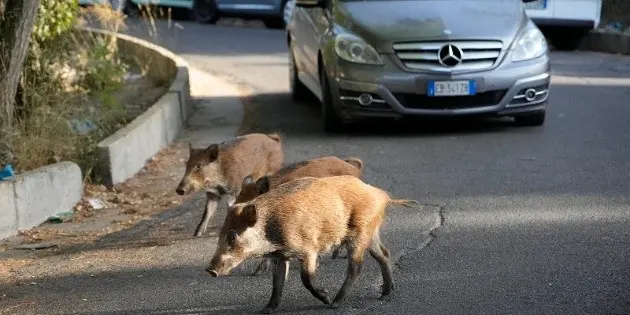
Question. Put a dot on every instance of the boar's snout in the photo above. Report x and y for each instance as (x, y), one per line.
(212, 272)
(182, 188)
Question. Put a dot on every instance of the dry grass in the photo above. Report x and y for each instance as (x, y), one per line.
(77, 78)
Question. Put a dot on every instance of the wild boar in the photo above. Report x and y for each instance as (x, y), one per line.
(302, 218)
(319, 167)
(220, 168)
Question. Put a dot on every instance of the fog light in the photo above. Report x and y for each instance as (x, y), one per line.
(365, 99)
(530, 95)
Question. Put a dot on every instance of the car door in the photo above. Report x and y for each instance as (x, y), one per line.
(316, 24)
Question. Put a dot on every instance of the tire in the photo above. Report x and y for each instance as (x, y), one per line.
(274, 23)
(530, 120)
(277, 22)
(299, 91)
(567, 40)
(130, 9)
(332, 122)
(205, 11)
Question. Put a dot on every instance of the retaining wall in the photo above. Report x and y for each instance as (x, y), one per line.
(31, 197)
(128, 150)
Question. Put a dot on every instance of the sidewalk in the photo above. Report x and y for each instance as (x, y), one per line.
(144, 223)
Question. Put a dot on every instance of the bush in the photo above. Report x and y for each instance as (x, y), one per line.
(68, 80)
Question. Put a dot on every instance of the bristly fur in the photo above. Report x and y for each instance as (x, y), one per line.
(303, 218)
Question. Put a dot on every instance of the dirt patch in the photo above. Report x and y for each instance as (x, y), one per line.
(148, 193)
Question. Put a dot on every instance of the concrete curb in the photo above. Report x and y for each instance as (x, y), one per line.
(31, 197)
(614, 43)
(126, 152)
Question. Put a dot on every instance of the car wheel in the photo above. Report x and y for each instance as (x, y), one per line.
(205, 11)
(274, 23)
(567, 40)
(277, 22)
(130, 9)
(530, 120)
(298, 89)
(332, 121)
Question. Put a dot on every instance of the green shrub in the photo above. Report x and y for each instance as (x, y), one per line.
(68, 75)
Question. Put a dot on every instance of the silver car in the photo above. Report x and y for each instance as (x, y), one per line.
(396, 58)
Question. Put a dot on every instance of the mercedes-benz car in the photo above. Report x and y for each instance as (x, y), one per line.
(398, 58)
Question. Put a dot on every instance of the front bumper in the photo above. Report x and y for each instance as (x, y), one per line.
(395, 93)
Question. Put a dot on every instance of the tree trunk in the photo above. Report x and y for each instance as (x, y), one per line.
(16, 26)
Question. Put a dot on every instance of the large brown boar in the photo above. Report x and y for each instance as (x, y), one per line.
(319, 167)
(302, 218)
(220, 169)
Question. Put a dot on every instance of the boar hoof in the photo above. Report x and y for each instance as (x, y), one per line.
(259, 271)
(335, 305)
(323, 296)
(267, 310)
(326, 300)
(385, 298)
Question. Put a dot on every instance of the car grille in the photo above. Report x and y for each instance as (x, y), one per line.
(423, 56)
(417, 101)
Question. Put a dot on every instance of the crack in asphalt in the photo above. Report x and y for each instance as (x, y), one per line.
(439, 222)
(440, 219)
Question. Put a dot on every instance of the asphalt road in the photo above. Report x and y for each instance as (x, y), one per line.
(535, 220)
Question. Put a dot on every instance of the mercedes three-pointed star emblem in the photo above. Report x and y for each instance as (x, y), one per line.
(450, 55)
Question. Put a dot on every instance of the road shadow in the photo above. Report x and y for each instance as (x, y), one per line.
(278, 112)
(183, 289)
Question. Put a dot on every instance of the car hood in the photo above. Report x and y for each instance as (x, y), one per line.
(383, 22)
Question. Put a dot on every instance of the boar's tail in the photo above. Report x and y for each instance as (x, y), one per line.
(404, 202)
(275, 137)
(356, 162)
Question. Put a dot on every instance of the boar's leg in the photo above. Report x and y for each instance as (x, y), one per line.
(380, 253)
(212, 202)
(262, 267)
(279, 275)
(337, 251)
(307, 274)
(355, 263)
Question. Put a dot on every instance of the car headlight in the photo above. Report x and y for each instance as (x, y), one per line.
(532, 44)
(353, 49)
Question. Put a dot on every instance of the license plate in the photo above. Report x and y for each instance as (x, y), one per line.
(451, 88)
(536, 5)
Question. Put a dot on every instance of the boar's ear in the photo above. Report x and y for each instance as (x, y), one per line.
(212, 152)
(248, 180)
(262, 185)
(248, 215)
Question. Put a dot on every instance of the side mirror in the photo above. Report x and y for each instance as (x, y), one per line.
(310, 3)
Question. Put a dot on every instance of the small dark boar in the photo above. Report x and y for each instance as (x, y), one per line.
(302, 218)
(220, 169)
(319, 167)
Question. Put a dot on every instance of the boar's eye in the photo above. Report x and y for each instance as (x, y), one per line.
(231, 237)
